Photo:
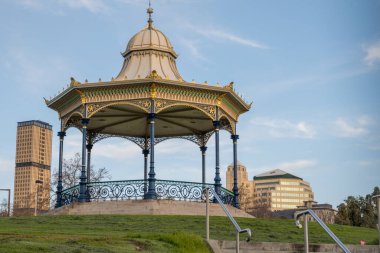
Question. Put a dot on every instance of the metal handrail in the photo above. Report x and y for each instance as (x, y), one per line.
(238, 230)
(322, 224)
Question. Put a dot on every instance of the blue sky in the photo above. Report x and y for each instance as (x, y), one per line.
(311, 68)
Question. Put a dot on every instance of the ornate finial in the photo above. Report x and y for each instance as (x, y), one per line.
(154, 75)
(230, 86)
(150, 11)
(73, 82)
(86, 81)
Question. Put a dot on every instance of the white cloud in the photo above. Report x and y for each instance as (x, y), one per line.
(219, 34)
(192, 47)
(34, 72)
(172, 147)
(290, 166)
(284, 128)
(7, 168)
(116, 151)
(34, 4)
(372, 53)
(355, 128)
(6, 165)
(94, 6)
(296, 165)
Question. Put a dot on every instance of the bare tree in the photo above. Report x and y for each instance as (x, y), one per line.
(245, 197)
(71, 170)
(4, 208)
(40, 197)
(261, 209)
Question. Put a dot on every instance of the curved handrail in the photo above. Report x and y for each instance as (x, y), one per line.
(229, 215)
(322, 224)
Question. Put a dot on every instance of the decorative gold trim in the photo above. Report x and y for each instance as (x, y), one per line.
(139, 105)
(154, 75)
(153, 92)
(204, 109)
(82, 96)
(219, 99)
(93, 107)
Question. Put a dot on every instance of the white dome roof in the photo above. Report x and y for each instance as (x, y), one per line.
(149, 51)
(150, 38)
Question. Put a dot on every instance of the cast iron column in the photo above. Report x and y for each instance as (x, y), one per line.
(217, 179)
(151, 194)
(58, 203)
(235, 189)
(203, 149)
(145, 153)
(83, 178)
(89, 148)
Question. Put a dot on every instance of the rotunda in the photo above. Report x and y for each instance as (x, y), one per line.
(148, 102)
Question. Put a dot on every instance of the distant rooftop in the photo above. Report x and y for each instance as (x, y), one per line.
(35, 123)
(238, 164)
(277, 173)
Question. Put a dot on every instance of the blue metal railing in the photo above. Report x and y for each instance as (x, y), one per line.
(135, 189)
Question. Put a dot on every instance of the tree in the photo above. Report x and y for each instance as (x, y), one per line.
(354, 212)
(4, 208)
(261, 209)
(342, 215)
(245, 197)
(358, 211)
(71, 170)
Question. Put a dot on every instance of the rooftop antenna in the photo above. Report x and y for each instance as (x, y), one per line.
(150, 11)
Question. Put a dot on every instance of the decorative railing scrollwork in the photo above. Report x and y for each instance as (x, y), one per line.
(134, 189)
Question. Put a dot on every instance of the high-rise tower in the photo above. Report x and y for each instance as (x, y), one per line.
(32, 172)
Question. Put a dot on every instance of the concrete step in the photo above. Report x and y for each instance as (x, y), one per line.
(147, 207)
(263, 251)
(278, 247)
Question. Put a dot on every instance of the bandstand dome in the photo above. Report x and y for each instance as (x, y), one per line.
(149, 50)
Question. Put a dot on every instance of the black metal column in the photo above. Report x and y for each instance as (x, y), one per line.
(89, 148)
(58, 203)
(83, 178)
(151, 194)
(217, 179)
(203, 149)
(235, 189)
(145, 153)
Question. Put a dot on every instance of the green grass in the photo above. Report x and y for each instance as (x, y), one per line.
(137, 233)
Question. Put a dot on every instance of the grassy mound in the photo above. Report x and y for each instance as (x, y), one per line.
(137, 233)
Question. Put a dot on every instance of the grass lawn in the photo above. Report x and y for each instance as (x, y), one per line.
(138, 233)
